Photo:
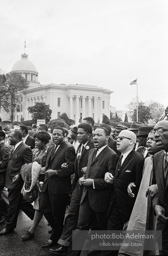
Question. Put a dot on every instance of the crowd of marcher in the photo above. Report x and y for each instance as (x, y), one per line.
(86, 179)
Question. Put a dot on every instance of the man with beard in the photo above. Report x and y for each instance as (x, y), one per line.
(57, 183)
(160, 200)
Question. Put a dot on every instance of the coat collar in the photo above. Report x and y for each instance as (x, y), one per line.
(126, 160)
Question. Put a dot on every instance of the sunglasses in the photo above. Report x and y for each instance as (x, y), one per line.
(123, 137)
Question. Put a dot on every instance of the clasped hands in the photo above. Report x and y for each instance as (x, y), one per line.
(160, 211)
(86, 182)
(51, 172)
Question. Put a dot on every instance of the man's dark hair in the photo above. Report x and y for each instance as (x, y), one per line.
(60, 128)
(86, 127)
(89, 120)
(24, 128)
(2, 134)
(108, 128)
(43, 136)
(103, 128)
(0, 128)
(43, 127)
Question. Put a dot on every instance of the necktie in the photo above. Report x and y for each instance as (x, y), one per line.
(166, 166)
(80, 151)
(94, 155)
(56, 148)
(119, 162)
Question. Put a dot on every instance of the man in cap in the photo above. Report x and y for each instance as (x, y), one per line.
(126, 182)
(160, 200)
(141, 140)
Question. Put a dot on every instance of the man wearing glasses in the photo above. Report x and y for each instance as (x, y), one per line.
(126, 182)
(160, 200)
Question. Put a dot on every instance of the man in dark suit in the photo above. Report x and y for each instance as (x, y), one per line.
(21, 154)
(111, 141)
(160, 167)
(84, 133)
(4, 158)
(96, 193)
(57, 183)
(27, 139)
(127, 178)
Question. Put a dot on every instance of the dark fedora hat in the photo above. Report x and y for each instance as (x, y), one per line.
(143, 131)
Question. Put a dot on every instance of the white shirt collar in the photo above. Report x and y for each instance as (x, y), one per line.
(25, 138)
(17, 144)
(100, 150)
(125, 155)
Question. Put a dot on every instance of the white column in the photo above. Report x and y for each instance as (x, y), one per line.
(100, 107)
(77, 110)
(83, 107)
(89, 106)
(95, 110)
(71, 107)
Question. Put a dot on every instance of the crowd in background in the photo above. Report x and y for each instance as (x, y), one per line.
(85, 178)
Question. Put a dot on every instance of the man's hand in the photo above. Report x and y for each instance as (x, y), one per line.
(51, 172)
(129, 189)
(108, 177)
(87, 182)
(42, 170)
(152, 190)
(15, 178)
(160, 211)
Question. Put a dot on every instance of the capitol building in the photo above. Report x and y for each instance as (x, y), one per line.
(76, 100)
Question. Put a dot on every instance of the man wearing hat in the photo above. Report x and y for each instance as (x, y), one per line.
(127, 178)
(141, 140)
(73, 134)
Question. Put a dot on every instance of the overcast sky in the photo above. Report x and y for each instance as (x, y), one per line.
(107, 43)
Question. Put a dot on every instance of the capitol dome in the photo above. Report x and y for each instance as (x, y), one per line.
(26, 68)
(24, 65)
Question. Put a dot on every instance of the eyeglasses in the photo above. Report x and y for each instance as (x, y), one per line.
(123, 137)
(160, 130)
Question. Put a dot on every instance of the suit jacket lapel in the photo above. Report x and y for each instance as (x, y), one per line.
(55, 153)
(127, 159)
(99, 155)
(16, 150)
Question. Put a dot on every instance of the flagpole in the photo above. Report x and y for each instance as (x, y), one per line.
(137, 97)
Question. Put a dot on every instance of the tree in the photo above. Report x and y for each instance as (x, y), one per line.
(105, 120)
(143, 113)
(40, 111)
(10, 87)
(156, 110)
(115, 117)
(66, 119)
(126, 118)
(58, 122)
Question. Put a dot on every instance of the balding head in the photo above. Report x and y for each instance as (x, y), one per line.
(126, 141)
(161, 134)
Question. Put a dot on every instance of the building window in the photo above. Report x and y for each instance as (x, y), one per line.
(58, 114)
(80, 117)
(103, 104)
(81, 103)
(59, 102)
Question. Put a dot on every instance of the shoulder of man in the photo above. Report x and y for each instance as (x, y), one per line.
(137, 155)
